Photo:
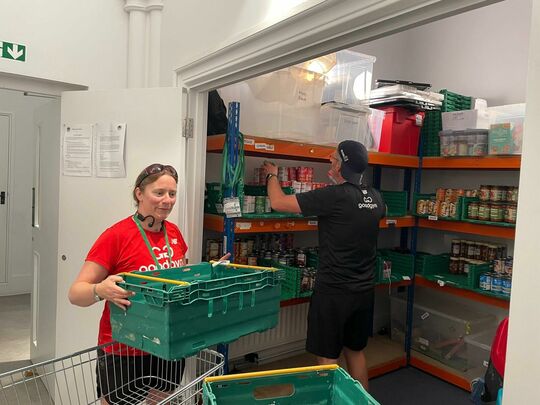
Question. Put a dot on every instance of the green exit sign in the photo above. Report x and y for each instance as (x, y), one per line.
(10, 50)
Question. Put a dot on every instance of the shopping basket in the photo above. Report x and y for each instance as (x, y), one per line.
(72, 380)
(177, 312)
(328, 385)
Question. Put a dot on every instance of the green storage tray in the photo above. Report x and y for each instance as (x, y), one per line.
(396, 203)
(309, 385)
(291, 279)
(427, 264)
(217, 305)
(402, 266)
(468, 281)
(465, 209)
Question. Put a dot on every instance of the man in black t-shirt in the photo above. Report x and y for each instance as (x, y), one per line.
(340, 312)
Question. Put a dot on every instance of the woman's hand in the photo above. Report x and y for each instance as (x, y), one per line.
(226, 257)
(108, 290)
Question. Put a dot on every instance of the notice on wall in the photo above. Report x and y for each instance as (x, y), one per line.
(110, 147)
(77, 144)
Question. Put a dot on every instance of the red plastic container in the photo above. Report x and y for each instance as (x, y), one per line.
(401, 130)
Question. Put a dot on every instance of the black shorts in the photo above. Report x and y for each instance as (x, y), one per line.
(125, 380)
(339, 320)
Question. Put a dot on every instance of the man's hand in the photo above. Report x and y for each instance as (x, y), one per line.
(270, 168)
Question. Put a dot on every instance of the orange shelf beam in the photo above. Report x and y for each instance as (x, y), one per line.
(247, 225)
(421, 281)
(387, 367)
(467, 227)
(480, 162)
(258, 146)
(441, 373)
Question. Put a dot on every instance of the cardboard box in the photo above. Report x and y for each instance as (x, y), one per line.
(466, 119)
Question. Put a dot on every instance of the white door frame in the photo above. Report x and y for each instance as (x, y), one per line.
(319, 29)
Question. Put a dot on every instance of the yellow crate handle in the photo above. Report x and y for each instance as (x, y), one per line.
(245, 266)
(158, 279)
(256, 374)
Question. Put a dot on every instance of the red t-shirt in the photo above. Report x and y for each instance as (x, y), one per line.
(121, 248)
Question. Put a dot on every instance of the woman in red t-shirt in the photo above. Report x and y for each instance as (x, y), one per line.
(144, 241)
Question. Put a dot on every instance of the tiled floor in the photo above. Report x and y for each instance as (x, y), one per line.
(15, 318)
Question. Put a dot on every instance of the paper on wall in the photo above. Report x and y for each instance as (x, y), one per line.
(110, 146)
(77, 150)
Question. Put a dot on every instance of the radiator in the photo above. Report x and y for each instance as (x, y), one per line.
(288, 336)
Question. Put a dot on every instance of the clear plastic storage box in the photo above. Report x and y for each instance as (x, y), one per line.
(339, 123)
(285, 104)
(349, 81)
(506, 131)
(440, 326)
(471, 142)
(479, 349)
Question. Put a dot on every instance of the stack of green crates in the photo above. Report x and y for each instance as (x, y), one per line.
(177, 312)
(429, 134)
(212, 197)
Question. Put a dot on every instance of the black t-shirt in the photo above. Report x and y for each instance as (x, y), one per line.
(348, 218)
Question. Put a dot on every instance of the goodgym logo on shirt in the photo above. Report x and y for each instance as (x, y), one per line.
(368, 203)
(162, 257)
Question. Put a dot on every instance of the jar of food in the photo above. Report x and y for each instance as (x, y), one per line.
(300, 258)
(440, 194)
(483, 211)
(465, 266)
(492, 252)
(484, 252)
(495, 193)
(510, 213)
(455, 249)
(504, 192)
(496, 213)
(472, 210)
(462, 145)
(454, 265)
(512, 194)
(471, 250)
(484, 192)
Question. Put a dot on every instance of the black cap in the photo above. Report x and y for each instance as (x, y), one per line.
(354, 160)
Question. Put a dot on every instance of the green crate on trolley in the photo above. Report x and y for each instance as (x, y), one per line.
(427, 264)
(177, 312)
(330, 385)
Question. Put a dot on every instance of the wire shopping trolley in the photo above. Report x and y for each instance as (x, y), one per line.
(78, 379)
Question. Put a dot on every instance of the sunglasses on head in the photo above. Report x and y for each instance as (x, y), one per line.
(157, 168)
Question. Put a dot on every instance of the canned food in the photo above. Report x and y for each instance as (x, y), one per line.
(496, 213)
(508, 266)
(421, 207)
(452, 210)
(483, 211)
(252, 260)
(471, 250)
(484, 193)
(440, 194)
(506, 288)
(267, 205)
(485, 281)
(498, 266)
(492, 252)
(472, 210)
(478, 251)
(484, 252)
(464, 266)
(260, 204)
(512, 194)
(495, 193)
(283, 174)
(285, 183)
(510, 213)
(496, 283)
(291, 173)
(300, 258)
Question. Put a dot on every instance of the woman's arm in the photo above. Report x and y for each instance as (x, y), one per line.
(93, 278)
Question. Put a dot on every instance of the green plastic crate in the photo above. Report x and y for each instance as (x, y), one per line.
(465, 209)
(402, 266)
(291, 279)
(212, 198)
(427, 264)
(217, 305)
(309, 385)
(396, 203)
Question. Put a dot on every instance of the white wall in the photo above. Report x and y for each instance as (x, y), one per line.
(217, 24)
(481, 53)
(19, 278)
(82, 42)
(523, 357)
